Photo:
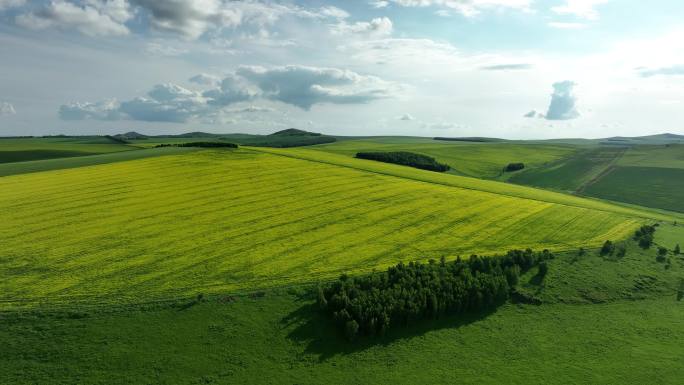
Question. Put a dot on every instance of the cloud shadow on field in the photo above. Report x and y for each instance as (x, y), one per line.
(323, 338)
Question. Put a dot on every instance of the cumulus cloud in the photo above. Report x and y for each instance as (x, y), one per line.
(187, 18)
(663, 71)
(294, 85)
(92, 17)
(193, 18)
(407, 117)
(379, 4)
(205, 80)
(107, 110)
(507, 67)
(585, 9)
(305, 86)
(381, 26)
(563, 102)
(7, 109)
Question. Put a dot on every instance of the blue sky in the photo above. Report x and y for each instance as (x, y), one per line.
(506, 68)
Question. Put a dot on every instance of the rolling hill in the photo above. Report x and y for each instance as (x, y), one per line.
(232, 220)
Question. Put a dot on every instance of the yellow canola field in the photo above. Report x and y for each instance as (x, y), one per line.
(222, 221)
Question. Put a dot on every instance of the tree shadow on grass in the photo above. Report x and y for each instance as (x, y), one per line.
(323, 338)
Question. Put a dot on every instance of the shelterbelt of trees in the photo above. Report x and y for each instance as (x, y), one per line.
(405, 158)
(407, 293)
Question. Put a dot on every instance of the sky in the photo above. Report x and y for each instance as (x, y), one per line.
(516, 69)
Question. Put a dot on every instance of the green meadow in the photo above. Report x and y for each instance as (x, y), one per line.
(185, 265)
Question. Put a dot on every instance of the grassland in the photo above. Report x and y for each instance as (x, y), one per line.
(481, 160)
(31, 149)
(602, 320)
(571, 173)
(224, 220)
(648, 186)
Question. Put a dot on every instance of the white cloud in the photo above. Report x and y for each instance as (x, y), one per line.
(294, 85)
(379, 4)
(193, 18)
(107, 110)
(92, 17)
(563, 102)
(407, 117)
(206, 80)
(159, 49)
(8, 4)
(7, 109)
(585, 9)
(334, 12)
(378, 27)
(306, 86)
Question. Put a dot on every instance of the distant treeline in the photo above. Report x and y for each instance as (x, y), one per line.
(514, 167)
(405, 159)
(199, 144)
(404, 294)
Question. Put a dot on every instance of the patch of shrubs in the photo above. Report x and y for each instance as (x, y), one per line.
(405, 158)
(407, 293)
(514, 167)
(610, 248)
(644, 236)
(200, 144)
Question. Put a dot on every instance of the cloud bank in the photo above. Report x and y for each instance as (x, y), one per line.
(298, 86)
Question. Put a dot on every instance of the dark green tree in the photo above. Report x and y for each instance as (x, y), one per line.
(351, 330)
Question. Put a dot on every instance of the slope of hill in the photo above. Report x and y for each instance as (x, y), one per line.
(476, 159)
(254, 219)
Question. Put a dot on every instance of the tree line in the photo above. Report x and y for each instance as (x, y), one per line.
(406, 293)
(405, 158)
(199, 144)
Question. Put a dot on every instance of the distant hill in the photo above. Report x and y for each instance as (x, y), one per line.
(131, 135)
(657, 139)
(290, 137)
(294, 132)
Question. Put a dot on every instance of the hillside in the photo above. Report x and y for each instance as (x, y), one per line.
(254, 219)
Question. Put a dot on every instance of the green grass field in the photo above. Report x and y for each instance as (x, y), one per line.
(217, 221)
(31, 149)
(660, 187)
(602, 320)
(573, 172)
(481, 160)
